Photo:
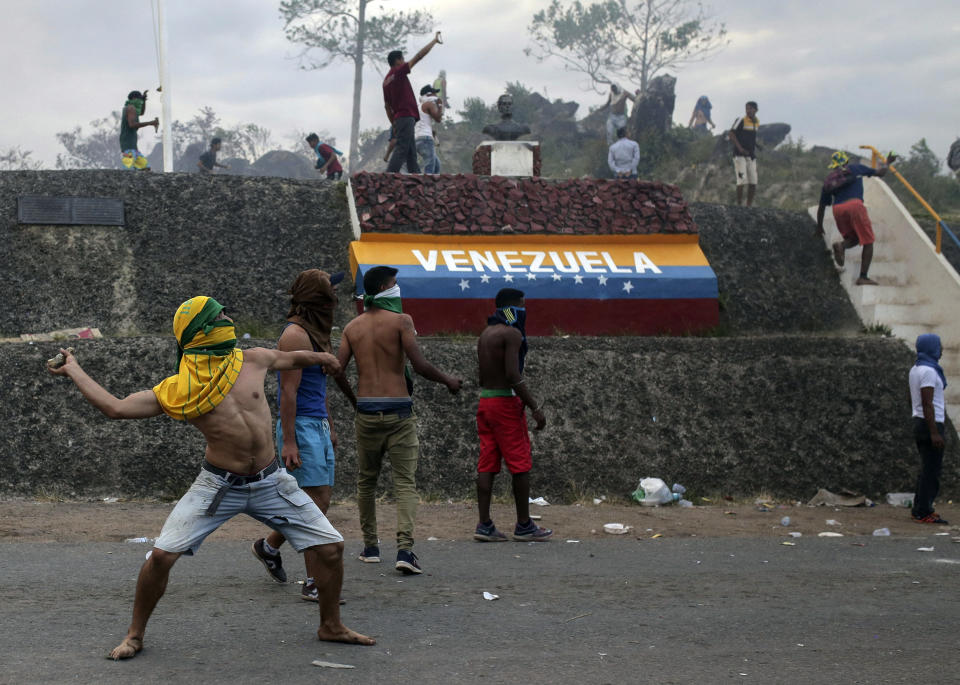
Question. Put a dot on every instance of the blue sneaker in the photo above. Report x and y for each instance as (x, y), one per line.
(488, 533)
(370, 554)
(407, 563)
(531, 532)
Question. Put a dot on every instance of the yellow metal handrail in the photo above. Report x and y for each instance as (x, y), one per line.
(876, 158)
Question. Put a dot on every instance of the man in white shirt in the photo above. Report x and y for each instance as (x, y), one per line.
(624, 156)
(927, 382)
(423, 134)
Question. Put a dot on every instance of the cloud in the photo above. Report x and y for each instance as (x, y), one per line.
(838, 72)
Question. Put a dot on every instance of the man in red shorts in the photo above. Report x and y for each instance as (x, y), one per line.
(501, 421)
(844, 190)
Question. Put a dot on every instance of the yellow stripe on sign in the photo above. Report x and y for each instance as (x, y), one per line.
(499, 253)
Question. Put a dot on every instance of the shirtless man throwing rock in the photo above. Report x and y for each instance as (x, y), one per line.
(379, 339)
(219, 389)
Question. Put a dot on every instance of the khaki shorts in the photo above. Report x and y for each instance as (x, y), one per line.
(746, 170)
(276, 501)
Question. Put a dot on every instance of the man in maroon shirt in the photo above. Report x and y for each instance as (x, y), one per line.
(402, 108)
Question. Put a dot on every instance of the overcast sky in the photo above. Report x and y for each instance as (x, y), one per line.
(840, 72)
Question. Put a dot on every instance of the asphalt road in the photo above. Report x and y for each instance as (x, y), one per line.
(603, 611)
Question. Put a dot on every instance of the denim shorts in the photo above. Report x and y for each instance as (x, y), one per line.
(316, 452)
(275, 501)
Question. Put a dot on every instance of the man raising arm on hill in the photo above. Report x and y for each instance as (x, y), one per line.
(401, 107)
(219, 389)
(380, 339)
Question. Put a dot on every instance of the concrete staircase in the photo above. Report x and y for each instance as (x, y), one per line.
(918, 291)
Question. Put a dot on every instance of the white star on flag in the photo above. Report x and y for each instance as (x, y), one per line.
(603, 280)
(464, 285)
(628, 286)
(508, 278)
(578, 279)
(557, 277)
(484, 279)
(531, 277)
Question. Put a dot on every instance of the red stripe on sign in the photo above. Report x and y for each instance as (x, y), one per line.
(578, 317)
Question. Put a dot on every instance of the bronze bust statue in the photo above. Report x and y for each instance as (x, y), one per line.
(507, 129)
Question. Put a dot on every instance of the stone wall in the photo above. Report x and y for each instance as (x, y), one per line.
(239, 239)
(781, 414)
(465, 203)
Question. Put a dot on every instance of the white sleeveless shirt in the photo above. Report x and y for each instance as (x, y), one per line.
(424, 126)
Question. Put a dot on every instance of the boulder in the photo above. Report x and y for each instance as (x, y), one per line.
(284, 164)
(653, 109)
(769, 136)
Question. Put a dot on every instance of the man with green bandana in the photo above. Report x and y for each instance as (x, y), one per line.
(381, 339)
(130, 123)
(219, 389)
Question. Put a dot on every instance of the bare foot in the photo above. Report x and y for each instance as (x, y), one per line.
(838, 253)
(865, 281)
(344, 634)
(126, 649)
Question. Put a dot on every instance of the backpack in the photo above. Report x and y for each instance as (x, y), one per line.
(837, 180)
(953, 157)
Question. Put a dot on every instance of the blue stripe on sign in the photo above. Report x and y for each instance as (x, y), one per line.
(673, 282)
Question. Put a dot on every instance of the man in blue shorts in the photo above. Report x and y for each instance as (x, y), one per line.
(219, 390)
(305, 435)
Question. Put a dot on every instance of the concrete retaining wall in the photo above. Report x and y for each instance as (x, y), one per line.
(782, 414)
(240, 239)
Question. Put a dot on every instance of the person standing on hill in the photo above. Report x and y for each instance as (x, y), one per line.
(401, 107)
(927, 382)
(617, 117)
(501, 421)
(700, 118)
(425, 137)
(623, 156)
(743, 135)
(130, 123)
(327, 161)
(208, 160)
(843, 188)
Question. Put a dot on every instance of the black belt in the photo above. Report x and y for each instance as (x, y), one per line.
(399, 412)
(234, 480)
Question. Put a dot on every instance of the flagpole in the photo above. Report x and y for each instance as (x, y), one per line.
(165, 119)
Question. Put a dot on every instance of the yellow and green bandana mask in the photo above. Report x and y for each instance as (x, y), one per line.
(838, 159)
(208, 361)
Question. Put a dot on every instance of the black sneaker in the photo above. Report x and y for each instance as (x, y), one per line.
(370, 554)
(407, 563)
(488, 533)
(932, 517)
(272, 563)
(531, 532)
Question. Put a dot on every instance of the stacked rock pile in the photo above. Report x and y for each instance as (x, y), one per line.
(466, 203)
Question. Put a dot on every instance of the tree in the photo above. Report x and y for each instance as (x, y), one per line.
(15, 159)
(340, 30)
(100, 149)
(612, 40)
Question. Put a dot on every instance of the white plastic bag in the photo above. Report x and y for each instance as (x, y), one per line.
(652, 492)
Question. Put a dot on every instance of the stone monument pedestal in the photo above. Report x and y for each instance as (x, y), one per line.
(507, 158)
